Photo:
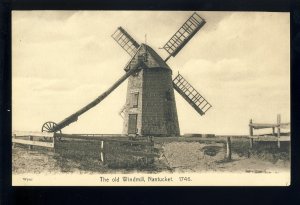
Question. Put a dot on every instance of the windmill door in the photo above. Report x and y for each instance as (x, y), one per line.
(132, 124)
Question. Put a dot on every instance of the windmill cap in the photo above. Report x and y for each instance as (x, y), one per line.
(149, 57)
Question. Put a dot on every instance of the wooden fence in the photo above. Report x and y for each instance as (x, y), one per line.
(115, 153)
(33, 139)
(274, 136)
(120, 151)
(112, 148)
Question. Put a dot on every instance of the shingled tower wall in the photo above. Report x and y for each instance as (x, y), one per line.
(150, 98)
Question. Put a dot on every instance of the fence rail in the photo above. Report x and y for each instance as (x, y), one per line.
(35, 143)
(113, 150)
(34, 134)
(31, 139)
(275, 136)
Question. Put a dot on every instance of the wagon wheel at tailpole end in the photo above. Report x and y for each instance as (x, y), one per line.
(48, 127)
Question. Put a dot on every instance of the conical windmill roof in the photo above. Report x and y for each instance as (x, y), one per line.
(153, 59)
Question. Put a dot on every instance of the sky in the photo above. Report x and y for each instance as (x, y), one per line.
(62, 60)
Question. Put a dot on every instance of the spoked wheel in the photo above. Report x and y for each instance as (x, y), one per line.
(49, 127)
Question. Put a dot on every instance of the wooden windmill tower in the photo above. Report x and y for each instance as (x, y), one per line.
(150, 107)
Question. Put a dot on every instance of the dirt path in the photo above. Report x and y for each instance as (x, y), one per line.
(200, 157)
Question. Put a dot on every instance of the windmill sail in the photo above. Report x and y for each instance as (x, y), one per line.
(125, 41)
(183, 35)
(191, 95)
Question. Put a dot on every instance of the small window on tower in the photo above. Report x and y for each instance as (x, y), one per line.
(135, 99)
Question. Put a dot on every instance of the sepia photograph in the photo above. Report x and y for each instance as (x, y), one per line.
(150, 98)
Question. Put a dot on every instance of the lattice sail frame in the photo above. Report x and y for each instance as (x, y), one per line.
(191, 95)
(125, 41)
(184, 35)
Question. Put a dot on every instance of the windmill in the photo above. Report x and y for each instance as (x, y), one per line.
(150, 107)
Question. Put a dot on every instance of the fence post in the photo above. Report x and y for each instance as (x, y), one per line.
(278, 130)
(101, 151)
(228, 150)
(251, 133)
(53, 141)
(14, 144)
(30, 139)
